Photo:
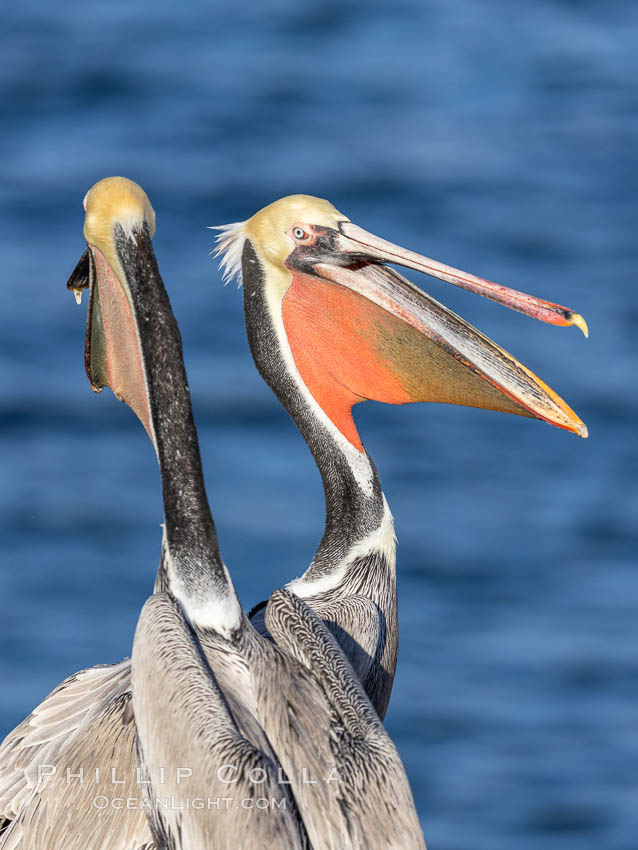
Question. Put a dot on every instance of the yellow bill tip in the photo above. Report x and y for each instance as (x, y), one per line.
(577, 319)
(582, 431)
(574, 424)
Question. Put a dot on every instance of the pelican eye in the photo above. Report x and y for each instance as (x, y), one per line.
(300, 234)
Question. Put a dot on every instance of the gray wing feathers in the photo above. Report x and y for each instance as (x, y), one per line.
(53, 726)
(184, 720)
(360, 628)
(300, 632)
(294, 713)
(381, 811)
(354, 615)
(85, 811)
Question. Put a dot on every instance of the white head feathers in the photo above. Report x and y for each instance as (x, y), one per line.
(229, 246)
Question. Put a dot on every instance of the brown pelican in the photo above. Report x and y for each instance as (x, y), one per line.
(330, 325)
(209, 692)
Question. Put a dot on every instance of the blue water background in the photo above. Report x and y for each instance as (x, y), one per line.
(500, 137)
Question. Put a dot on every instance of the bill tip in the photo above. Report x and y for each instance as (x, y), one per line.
(577, 319)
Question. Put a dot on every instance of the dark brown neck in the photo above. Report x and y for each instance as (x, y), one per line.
(355, 505)
(190, 530)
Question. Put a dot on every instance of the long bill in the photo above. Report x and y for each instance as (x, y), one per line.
(355, 239)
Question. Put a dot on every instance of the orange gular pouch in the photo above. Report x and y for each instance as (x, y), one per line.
(113, 357)
(348, 349)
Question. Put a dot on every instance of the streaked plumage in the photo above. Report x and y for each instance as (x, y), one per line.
(351, 581)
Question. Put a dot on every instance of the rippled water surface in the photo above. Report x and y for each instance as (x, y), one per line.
(498, 137)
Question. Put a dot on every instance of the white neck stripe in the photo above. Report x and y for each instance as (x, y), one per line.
(381, 540)
(357, 460)
(212, 609)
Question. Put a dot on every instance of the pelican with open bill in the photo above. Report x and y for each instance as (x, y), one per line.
(424, 350)
(331, 325)
(452, 334)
